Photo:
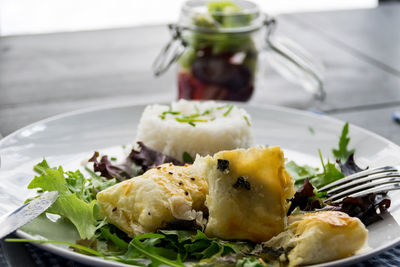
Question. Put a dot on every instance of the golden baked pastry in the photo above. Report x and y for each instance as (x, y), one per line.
(319, 237)
(248, 193)
(148, 202)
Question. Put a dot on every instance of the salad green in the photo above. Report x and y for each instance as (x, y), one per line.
(342, 153)
(77, 195)
(77, 203)
(330, 172)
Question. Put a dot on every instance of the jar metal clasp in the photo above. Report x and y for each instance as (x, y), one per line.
(171, 51)
(293, 62)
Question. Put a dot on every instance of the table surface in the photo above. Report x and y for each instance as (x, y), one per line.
(45, 75)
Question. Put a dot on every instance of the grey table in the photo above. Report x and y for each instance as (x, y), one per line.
(49, 74)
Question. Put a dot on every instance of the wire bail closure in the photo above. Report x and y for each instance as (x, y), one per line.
(171, 52)
(296, 62)
(270, 24)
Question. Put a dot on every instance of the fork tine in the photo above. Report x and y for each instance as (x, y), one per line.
(379, 189)
(358, 175)
(363, 180)
(373, 185)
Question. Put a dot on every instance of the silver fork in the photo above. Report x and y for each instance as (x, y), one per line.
(377, 180)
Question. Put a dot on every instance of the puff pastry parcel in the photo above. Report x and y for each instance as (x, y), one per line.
(248, 193)
(319, 237)
(148, 202)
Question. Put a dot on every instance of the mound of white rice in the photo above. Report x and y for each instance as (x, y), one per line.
(194, 127)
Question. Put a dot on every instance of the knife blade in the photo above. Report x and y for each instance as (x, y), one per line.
(26, 213)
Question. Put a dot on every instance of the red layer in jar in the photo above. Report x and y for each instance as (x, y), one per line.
(217, 77)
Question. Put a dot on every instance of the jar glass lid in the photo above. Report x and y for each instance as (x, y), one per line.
(220, 16)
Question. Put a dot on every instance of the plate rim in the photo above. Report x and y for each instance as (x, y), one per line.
(307, 113)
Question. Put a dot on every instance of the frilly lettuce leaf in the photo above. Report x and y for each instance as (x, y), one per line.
(68, 205)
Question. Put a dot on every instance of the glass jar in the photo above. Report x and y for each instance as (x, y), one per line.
(218, 46)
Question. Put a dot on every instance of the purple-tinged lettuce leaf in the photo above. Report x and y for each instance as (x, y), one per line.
(365, 208)
(110, 170)
(148, 158)
(305, 198)
(144, 159)
(350, 166)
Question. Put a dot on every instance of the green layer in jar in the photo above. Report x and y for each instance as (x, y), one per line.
(221, 15)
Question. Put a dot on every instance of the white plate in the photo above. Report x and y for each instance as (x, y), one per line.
(68, 139)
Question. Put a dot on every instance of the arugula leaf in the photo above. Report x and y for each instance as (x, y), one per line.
(148, 250)
(97, 183)
(198, 245)
(330, 174)
(114, 238)
(342, 153)
(167, 245)
(249, 262)
(299, 173)
(187, 158)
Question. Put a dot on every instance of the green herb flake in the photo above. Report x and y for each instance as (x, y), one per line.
(228, 111)
(311, 130)
(190, 121)
(242, 183)
(206, 112)
(247, 120)
(223, 165)
(169, 111)
(113, 158)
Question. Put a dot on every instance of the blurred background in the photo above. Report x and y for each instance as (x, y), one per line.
(62, 55)
(45, 16)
